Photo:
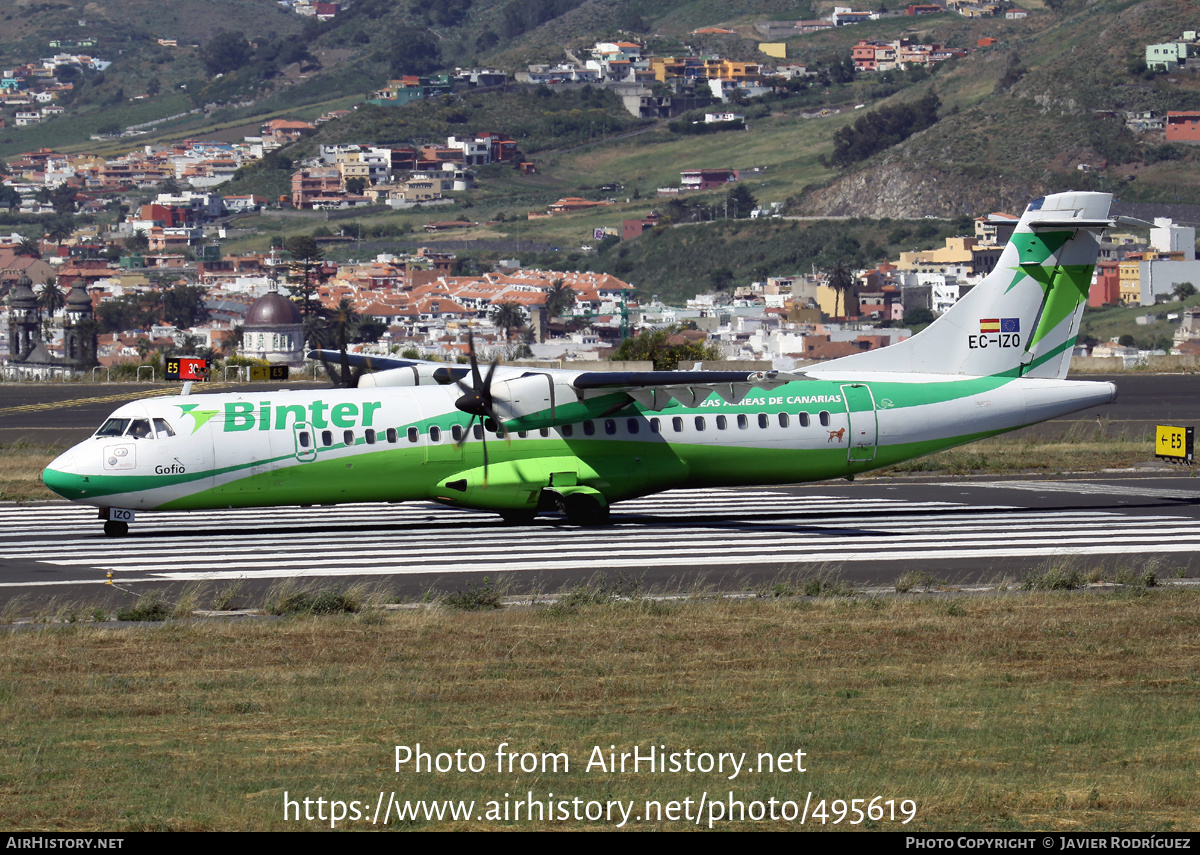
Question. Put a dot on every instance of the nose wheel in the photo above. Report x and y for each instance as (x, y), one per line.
(116, 528)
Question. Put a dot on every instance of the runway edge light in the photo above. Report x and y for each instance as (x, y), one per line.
(1173, 443)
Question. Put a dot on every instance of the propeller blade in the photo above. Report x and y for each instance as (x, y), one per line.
(483, 442)
(466, 433)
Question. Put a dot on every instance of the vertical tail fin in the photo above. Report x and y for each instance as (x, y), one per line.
(1022, 319)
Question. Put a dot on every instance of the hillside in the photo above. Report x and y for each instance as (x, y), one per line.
(1004, 145)
(1014, 119)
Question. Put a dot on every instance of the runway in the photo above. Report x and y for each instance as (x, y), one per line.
(962, 532)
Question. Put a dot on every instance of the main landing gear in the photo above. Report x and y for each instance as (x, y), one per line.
(582, 507)
(115, 528)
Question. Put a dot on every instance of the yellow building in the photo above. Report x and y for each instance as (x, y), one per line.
(956, 251)
(775, 49)
(1130, 274)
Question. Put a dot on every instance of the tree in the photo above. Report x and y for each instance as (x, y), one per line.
(413, 51)
(225, 52)
(51, 298)
(508, 316)
(183, 306)
(1184, 290)
(306, 274)
(560, 299)
(841, 280)
(29, 247)
(739, 202)
(657, 347)
(138, 242)
(63, 199)
(60, 228)
(9, 197)
(1013, 71)
(356, 185)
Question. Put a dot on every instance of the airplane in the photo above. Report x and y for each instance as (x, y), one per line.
(522, 441)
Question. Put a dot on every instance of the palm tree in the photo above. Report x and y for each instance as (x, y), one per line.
(560, 299)
(507, 316)
(29, 247)
(51, 298)
(841, 280)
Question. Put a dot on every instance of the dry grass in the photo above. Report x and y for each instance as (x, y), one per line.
(21, 468)
(1032, 711)
(995, 456)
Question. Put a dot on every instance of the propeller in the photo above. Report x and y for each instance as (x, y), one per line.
(477, 401)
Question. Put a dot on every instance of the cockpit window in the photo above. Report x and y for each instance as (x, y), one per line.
(113, 427)
(140, 429)
(162, 429)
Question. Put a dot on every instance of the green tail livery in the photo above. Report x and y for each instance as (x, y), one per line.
(522, 442)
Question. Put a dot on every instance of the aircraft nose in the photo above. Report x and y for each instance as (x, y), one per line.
(63, 477)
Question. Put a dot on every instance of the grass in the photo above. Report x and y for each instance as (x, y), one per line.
(21, 466)
(1047, 711)
(999, 456)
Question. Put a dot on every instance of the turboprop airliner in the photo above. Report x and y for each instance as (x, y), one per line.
(522, 442)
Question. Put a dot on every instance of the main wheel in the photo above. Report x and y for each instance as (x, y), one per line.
(114, 528)
(585, 510)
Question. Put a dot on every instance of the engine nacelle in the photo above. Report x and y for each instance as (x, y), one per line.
(410, 375)
(530, 393)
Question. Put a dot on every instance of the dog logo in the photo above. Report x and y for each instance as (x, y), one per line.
(838, 434)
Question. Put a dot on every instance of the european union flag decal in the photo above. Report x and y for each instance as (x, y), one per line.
(1010, 325)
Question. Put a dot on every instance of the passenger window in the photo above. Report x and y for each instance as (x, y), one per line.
(824, 418)
(610, 426)
(543, 431)
(435, 434)
(677, 424)
(477, 431)
(303, 439)
(764, 420)
(348, 438)
(589, 428)
(722, 423)
(632, 424)
(783, 419)
(654, 428)
(369, 435)
(567, 430)
(802, 418)
(699, 422)
(743, 422)
(326, 438)
(457, 433)
(163, 429)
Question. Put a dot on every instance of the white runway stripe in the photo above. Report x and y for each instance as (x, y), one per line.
(713, 529)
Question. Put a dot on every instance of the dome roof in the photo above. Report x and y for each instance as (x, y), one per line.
(22, 296)
(273, 310)
(78, 297)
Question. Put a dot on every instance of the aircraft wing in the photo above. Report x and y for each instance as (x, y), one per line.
(421, 370)
(656, 390)
(552, 396)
